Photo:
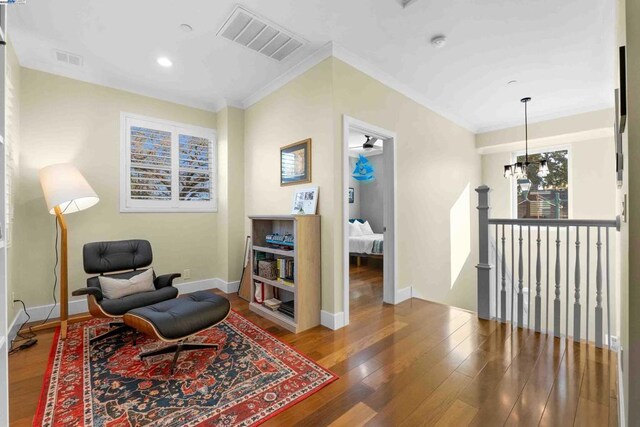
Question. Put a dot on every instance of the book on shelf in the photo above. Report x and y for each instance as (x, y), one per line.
(287, 308)
(285, 269)
(273, 303)
(286, 282)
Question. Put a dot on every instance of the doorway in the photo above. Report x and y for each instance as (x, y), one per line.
(377, 248)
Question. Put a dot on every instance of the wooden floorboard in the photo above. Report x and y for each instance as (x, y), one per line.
(413, 364)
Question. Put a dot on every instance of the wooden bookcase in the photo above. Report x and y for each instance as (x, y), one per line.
(306, 291)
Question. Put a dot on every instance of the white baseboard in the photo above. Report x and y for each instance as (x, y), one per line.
(78, 306)
(404, 294)
(215, 283)
(13, 327)
(332, 320)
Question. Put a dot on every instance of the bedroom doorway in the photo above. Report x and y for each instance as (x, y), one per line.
(370, 272)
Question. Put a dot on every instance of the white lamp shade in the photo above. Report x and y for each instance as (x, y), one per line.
(63, 185)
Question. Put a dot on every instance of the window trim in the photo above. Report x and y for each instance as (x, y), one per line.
(514, 184)
(126, 204)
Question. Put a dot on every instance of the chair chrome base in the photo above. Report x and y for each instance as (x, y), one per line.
(116, 329)
(178, 347)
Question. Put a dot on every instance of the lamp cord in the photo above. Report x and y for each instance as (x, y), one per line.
(20, 336)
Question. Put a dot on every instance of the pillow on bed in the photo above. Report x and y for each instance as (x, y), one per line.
(118, 288)
(354, 229)
(366, 229)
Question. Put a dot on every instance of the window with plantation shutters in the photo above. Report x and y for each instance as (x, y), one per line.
(167, 167)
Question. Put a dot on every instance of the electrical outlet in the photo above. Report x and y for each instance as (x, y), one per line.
(614, 343)
(186, 274)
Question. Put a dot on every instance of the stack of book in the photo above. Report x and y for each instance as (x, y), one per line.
(287, 308)
(279, 240)
(285, 271)
(273, 304)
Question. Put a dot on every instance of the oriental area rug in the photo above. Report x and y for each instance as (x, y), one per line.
(249, 379)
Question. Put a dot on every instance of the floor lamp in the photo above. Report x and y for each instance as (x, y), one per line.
(65, 191)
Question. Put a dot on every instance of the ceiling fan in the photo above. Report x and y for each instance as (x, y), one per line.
(370, 143)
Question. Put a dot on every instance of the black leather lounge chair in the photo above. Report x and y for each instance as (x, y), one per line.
(126, 258)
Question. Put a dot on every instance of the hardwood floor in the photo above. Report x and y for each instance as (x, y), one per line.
(416, 363)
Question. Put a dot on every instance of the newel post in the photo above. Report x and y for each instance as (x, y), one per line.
(483, 267)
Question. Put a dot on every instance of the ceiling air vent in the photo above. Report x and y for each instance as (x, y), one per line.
(68, 58)
(260, 35)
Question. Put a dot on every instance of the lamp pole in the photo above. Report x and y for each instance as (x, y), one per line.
(64, 270)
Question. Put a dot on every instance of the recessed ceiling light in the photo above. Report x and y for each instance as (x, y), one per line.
(165, 62)
(438, 41)
(186, 28)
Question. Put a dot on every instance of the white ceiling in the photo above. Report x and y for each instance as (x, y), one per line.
(560, 52)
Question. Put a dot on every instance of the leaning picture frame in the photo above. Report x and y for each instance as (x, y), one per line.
(295, 163)
(305, 201)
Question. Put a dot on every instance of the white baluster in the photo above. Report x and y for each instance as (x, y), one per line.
(529, 277)
(556, 301)
(608, 299)
(576, 305)
(497, 278)
(503, 291)
(566, 294)
(599, 291)
(588, 279)
(513, 277)
(538, 271)
(520, 277)
(548, 268)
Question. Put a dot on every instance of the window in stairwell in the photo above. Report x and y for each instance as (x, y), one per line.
(548, 196)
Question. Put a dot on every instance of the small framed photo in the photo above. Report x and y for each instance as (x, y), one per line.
(295, 163)
(305, 201)
(352, 195)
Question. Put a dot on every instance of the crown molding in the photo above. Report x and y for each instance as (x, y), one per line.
(546, 117)
(391, 82)
(549, 141)
(98, 80)
(292, 73)
(360, 64)
(229, 104)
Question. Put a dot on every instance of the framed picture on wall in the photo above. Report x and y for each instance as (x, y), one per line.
(305, 201)
(295, 163)
(621, 105)
(352, 195)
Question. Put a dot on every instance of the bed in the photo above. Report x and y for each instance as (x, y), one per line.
(365, 245)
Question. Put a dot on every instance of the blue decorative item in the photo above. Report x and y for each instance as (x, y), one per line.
(364, 170)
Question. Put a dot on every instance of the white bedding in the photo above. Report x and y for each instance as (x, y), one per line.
(363, 244)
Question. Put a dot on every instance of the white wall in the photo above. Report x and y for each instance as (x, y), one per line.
(592, 180)
(65, 120)
(437, 162)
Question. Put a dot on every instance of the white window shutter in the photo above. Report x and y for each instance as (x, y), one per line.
(167, 167)
(195, 168)
(150, 172)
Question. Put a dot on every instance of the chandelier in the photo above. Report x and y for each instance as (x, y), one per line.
(518, 170)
